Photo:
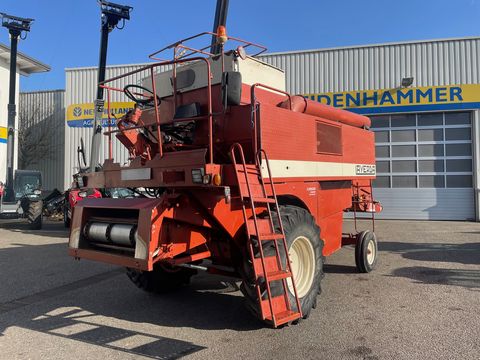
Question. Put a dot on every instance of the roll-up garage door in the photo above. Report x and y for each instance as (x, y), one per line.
(424, 165)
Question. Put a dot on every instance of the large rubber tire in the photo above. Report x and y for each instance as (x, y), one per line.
(366, 251)
(66, 219)
(34, 214)
(160, 280)
(298, 223)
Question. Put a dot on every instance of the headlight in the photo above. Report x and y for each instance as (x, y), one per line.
(206, 179)
(82, 194)
(197, 176)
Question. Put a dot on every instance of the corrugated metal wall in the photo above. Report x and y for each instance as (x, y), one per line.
(43, 113)
(380, 66)
(431, 63)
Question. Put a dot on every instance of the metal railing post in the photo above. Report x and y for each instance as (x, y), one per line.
(157, 115)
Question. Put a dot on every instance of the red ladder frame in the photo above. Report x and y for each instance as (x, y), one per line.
(279, 273)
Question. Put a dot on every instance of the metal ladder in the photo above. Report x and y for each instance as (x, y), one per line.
(260, 230)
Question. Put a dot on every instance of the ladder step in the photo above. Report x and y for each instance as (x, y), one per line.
(271, 265)
(264, 226)
(256, 189)
(268, 237)
(263, 200)
(251, 169)
(278, 275)
(284, 317)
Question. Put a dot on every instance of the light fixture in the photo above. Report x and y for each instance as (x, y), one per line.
(407, 81)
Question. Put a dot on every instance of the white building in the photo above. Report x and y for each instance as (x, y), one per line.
(25, 66)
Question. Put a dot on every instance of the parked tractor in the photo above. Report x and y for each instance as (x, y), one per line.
(73, 195)
(77, 192)
(242, 179)
(26, 202)
(20, 197)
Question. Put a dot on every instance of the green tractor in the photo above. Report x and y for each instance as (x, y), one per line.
(27, 204)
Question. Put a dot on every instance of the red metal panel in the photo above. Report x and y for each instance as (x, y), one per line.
(331, 232)
(292, 136)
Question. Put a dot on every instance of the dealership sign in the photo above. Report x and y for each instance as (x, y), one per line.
(404, 99)
(3, 134)
(82, 115)
(451, 97)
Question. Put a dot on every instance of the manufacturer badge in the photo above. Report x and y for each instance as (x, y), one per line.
(365, 169)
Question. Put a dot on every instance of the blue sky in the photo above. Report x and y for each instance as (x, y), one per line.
(66, 32)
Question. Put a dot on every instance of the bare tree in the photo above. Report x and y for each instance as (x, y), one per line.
(36, 134)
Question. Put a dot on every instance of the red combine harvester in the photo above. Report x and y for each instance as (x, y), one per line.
(198, 141)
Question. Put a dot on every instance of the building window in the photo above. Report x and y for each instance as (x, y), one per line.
(425, 150)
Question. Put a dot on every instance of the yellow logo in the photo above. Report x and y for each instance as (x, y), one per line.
(3, 134)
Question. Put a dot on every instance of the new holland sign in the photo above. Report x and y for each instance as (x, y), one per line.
(404, 99)
(82, 115)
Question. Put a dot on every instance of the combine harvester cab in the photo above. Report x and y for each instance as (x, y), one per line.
(238, 178)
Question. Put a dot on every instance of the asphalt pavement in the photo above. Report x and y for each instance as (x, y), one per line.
(422, 302)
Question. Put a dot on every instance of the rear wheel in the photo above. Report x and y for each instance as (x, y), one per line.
(305, 251)
(162, 279)
(34, 214)
(366, 251)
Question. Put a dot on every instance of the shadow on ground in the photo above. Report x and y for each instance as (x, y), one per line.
(209, 303)
(77, 324)
(206, 305)
(339, 269)
(50, 229)
(457, 277)
(465, 253)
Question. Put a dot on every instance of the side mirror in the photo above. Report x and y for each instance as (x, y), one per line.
(231, 88)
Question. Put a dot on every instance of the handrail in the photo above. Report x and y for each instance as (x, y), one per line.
(110, 146)
(259, 85)
(176, 44)
(151, 68)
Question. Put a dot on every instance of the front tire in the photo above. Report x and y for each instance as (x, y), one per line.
(305, 251)
(162, 279)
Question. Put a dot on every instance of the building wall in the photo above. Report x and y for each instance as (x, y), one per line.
(382, 67)
(431, 63)
(4, 94)
(42, 119)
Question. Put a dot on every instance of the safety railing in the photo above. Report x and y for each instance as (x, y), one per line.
(151, 69)
(182, 53)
